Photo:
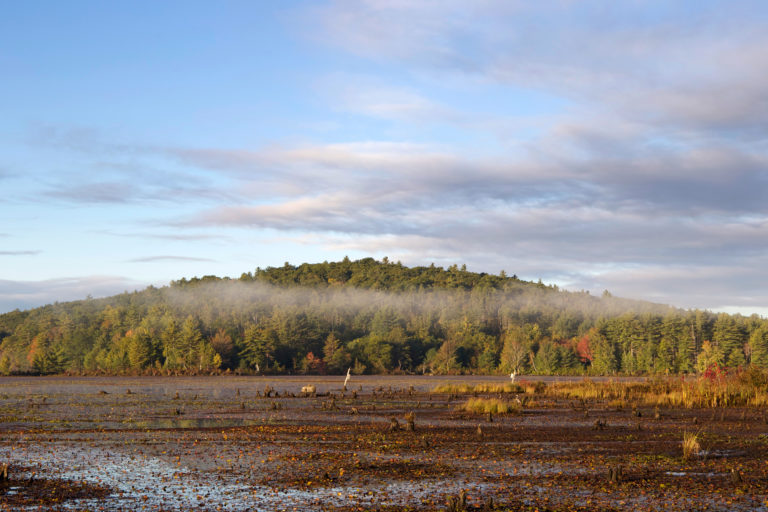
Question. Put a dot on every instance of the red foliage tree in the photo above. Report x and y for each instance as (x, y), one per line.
(583, 349)
(313, 364)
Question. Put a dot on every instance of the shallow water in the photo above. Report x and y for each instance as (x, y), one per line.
(145, 481)
(227, 386)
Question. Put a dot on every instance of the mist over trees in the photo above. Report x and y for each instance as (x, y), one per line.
(373, 317)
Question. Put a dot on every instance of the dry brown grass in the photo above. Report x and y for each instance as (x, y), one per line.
(741, 389)
(467, 389)
(691, 445)
(493, 406)
(748, 388)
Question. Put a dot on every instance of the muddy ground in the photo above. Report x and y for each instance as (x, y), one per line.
(218, 443)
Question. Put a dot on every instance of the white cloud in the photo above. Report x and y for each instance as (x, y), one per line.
(568, 220)
(652, 61)
(29, 294)
(371, 97)
(152, 259)
(18, 253)
(650, 179)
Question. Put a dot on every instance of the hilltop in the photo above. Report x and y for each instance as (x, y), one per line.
(375, 317)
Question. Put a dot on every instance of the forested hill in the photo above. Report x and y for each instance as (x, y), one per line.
(375, 317)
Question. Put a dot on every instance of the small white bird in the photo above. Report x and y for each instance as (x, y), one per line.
(512, 376)
(257, 367)
(347, 379)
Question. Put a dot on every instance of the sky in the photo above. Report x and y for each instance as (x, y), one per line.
(596, 145)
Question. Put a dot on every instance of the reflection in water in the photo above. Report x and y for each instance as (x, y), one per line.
(148, 482)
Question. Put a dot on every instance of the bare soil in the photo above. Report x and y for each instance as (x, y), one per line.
(229, 443)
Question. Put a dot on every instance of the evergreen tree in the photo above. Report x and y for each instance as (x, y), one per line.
(335, 355)
(674, 345)
(605, 360)
(172, 346)
(758, 343)
(259, 345)
(488, 360)
(140, 349)
(728, 337)
(547, 360)
(569, 361)
(649, 351)
(207, 357)
(190, 340)
(383, 315)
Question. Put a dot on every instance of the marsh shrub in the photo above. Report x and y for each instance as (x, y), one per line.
(754, 377)
(718, 388)
(466, 389)
(493, 406)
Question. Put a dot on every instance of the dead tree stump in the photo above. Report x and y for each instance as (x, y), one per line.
(615, 475)
(410, 424)
(458, 504)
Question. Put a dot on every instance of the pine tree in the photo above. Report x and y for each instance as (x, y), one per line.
(335, 355)
(758, 343)
(605, 360)
(190, 339)
(547, 359)
(488, 360)
(674, 351)
(207, 357)
(140, 349)
(569, 361)
(171, 342)
(259, 345)
(729, 338)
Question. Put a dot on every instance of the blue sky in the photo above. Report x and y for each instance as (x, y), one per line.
(595, 145)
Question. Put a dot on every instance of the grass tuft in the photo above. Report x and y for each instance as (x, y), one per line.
(493, 406)
(467, 389)
(691, 445)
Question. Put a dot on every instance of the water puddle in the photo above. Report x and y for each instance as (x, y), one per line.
(150, 482)
(720, 454)
(691, 473)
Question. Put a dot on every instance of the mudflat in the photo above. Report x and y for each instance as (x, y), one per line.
(390, 443)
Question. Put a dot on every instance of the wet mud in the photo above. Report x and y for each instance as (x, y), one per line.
(258, 443)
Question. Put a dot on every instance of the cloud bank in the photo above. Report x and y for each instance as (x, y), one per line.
(28, 294)
(18, 253)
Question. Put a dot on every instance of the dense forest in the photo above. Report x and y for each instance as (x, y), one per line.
(374, 317)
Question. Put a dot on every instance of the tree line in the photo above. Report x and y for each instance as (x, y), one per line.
(373, 317)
